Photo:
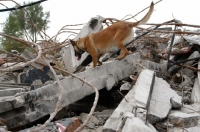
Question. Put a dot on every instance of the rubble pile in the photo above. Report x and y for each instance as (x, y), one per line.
(156, 87)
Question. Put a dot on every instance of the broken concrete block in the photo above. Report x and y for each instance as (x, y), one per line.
(187, 83)
(162, 67)
(180, 118)
(99, 129)
(7, 89)
(127, 104)
(73, 90)
(175, 102)
(142, 88)
(135, 125)
(93, 119)
(110, 82)
(10, 91)
(103, 114)
(195, 96)
(125, 86)
(192, 39)
(138, 96)
(195, 54)
(164, 125)
(162, 95)
(188, 72)
(29, 56)
(36, 84)
(115, 120)
(190, 129)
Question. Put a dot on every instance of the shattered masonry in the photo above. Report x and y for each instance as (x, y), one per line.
(30, 94)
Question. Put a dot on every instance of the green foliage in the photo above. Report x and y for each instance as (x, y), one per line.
(22, 24)
(12, 28)
(35, 15)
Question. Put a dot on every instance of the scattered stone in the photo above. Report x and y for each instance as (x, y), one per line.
(21, 105)
(29, 56)
(135, 125)
(57, 55)
(73, 90)
(125, 86)
(93, 119)
(187, 84)
(110, 82)
(183, 119)
(104, 113)
(164, 96)
(195, 96)
(190, 129)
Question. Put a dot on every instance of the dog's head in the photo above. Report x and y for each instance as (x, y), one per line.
(77, 50)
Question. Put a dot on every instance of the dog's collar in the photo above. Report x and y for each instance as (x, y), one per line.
(80, 50)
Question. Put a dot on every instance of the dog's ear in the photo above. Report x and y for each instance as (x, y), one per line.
(72, 42)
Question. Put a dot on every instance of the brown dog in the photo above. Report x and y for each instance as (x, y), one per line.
(99, 43)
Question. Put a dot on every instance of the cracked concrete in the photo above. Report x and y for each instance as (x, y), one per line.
(32, 105)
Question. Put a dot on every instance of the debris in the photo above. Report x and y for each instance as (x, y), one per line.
(43, 100)
(158, 82)
(181, 118)
(195, 96)
(125, 86)
(2, 61)
(92, 122)
(110, 81)
(136, 125)
(190, 129)
(162, 94)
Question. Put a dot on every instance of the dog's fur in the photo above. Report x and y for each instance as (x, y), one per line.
(99, 43)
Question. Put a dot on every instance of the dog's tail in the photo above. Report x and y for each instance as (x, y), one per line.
(145, 18)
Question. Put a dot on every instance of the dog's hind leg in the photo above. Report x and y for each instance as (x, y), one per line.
(95, 60)
(99, 62)
(95, 56)
(123, 52)
(119, 38)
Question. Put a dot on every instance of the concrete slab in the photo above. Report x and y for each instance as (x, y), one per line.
(116, 119)
(161, 67)
(138, 96)
(180, 118)
(142, 88)
(10, 91)
(42, 101)
(161, 96)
